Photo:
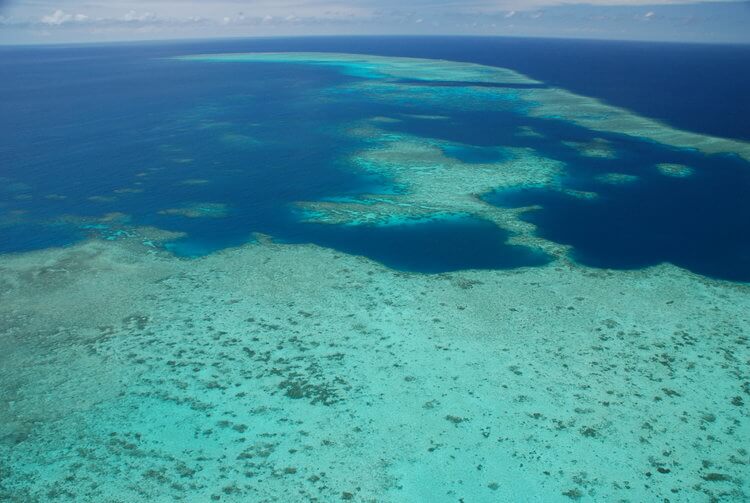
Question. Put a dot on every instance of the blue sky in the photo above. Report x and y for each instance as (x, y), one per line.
(47, 21)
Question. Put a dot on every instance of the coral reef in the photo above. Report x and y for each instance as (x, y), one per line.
(297, 373)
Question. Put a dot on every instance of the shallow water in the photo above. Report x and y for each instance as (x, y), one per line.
(312, 283)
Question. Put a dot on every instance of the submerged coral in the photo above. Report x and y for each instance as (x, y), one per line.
(676, 170)
(286, 372)
(199, 210)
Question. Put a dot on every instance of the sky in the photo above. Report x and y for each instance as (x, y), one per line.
(65, 21)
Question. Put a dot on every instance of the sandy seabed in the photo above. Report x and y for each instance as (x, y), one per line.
(294, 373)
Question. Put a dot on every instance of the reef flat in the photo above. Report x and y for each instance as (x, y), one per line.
(431, 184)
(378, 67)
(295, 373)
(537, 100)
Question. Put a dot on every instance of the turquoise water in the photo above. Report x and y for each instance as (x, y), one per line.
(309, 284)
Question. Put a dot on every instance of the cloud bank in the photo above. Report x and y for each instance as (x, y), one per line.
(92, 20)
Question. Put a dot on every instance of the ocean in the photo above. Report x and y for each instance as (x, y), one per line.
(124, 129)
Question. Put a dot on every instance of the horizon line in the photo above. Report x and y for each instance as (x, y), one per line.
(375, 35)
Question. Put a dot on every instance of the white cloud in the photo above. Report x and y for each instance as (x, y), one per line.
(60, 17)
(133, 16)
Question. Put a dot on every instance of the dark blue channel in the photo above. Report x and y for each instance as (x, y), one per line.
(701, 223)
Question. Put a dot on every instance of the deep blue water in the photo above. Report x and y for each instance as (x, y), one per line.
(699, 222)
(430, 247)
(85, 122)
